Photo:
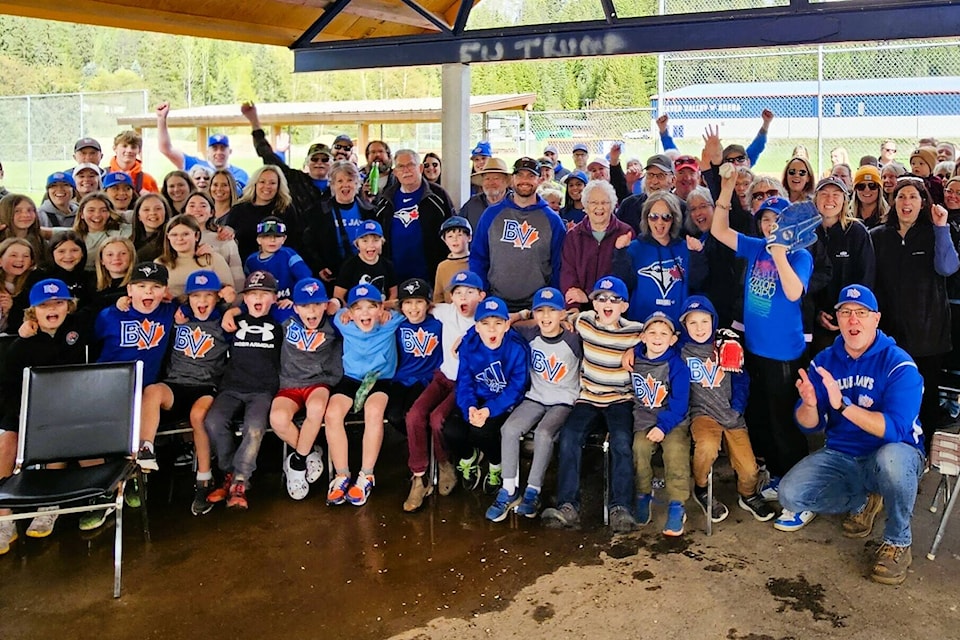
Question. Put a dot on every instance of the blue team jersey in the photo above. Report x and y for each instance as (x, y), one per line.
(406, 236)
(128, 336)
(420, 351)
(285, 265)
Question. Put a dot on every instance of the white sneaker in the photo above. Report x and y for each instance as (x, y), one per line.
(314, 466)
(297, 486)
(8, 533)
(42, 526)
(790, 521)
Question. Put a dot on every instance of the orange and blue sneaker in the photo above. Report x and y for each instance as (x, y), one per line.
(338, 489)
(360, 491)
(238, 496)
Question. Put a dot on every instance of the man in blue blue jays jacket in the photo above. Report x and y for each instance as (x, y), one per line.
(864, 391)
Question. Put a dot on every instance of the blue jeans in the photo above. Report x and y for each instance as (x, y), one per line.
(573, 435)
(828, 481)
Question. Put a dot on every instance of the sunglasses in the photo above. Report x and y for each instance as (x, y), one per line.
(763, 195)
(736, 159)
(602, 298)
(867, 186)
(342, 147)
(431, 164)
(889, 150)
(797, 172)
(319, 158)
(654, 217)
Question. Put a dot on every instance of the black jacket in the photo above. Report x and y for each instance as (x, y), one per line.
(303, 191)
(324, 237)
(852, 260)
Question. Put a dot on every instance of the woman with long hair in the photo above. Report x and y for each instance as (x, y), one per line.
(19, 219)
(150, 215)
(115, 261)
(432, 167)
(867, 204)
(223, 190)
(200, 206)
(177, 185)
(266, 195)
(97, 221)
(181, 257)
(18, 264)
(798, 179)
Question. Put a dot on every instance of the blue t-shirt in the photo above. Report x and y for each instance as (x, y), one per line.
(420, 351)
(773, 325)
(128, 336)
(239, 175)
(406, 236)
(285, 265)
(350, 218)
(366, 351)
(321, 183)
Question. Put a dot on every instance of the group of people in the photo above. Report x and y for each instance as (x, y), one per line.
(665, 302)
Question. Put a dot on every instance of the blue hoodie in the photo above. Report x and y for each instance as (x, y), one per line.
(884, 378)
(661, 388)
(492, 378)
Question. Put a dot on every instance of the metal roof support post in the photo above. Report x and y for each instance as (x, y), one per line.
(455, 130)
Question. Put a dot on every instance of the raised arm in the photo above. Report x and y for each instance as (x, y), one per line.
(163, 137)
(720, 228)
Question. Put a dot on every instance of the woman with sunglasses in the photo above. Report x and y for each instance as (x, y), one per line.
(432, 167)
(654, 266)
(798, 180)
(867, 205)
(916, 253)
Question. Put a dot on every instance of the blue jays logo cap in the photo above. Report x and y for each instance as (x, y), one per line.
(492, 307)
(369, 228)
(309, 291)
(858, 294)
(611, 285)
(115, 178)
(660, 316)
(60, 177)
(481, 150)
(414, 288)
(548, 297)
(150, 272)
(47, 290)
(202, 280)
(456, 222)
(218, 139)
(775, 204)
(364, 292)
(465, 279)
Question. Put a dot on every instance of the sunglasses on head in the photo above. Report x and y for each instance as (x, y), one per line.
(666, 217)
(797, 172)
(867, 186)
(763, 195)
(342, 147)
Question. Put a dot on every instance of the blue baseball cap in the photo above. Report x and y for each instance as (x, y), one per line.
(576, 175)
(775, 204)
(456, 222)
(369, 228)
(492, 307)
(308, 291)
(465, 279)
(481, 150)
(580, 147)
(60, 177)
(47, 290)
(218, 139)
(660, 316)
(548, 297)
(364, 292)
(853, 294)
(202, 280)
(115, 178)
(610, 284)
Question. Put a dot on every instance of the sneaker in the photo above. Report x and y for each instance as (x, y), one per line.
(530, 504)
(337, 494)
(565, 516)
(8, 534)
(757, 507)
(676, 516)
(860, 525)
(469, 469)
(91, 520)
(447, 480)
(314, 465)
(493, 481)
(718, 511)
(641, 511)
(771, 492)
(360, 490)
(502, 504)
(621, 521)
(892, 564)
(790, 521)
(420, 488)
(131, 494)
(42, 526)
(238, 496)
(297, 485)
(220, 493)
(185, 458)
(201, 503)
(147, 459)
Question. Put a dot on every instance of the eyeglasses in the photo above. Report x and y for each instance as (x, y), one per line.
(605, 298)
(797, 172)
(656, 175)
(406, 165)
(953, 192)
(859, 313)
(763, 195)
(865, 186)
(319, 158)
(343, 147)
(431, 164)
(603, 203)
(736, 159)
(654, 217)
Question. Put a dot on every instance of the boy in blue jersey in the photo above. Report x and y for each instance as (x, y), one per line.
(283, 263)
(419, 338)
(197, 360)
(249, 383)
(368, 266)
(661, 386)
(555, 356)
(491, 381)
(142, 332)
(369, 363)
(310, 365)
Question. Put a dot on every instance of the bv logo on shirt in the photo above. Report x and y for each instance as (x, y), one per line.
(142, 334)
(522, 235)
(493, 377)
(664, 273)
(419, 343)
(305, 339)
(550, 368)
(706, 374)
(264, 331)
(650, 391)
(407, 215)
(193, 343)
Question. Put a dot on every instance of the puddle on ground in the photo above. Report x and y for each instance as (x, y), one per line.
(799, 595)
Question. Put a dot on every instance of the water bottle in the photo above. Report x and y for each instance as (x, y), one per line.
(373, 180)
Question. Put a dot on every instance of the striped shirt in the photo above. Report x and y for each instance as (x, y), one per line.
(603, 380)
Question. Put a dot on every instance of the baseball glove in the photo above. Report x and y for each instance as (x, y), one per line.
(796, 227)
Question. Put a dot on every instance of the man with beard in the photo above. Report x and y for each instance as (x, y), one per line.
(517, 245)
(494, 181)
(377, 152)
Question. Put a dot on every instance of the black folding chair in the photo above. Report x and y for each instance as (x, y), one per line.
(73, 413)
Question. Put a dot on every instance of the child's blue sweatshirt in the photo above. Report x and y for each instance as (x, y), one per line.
(661, 390)
(366, 351)
(495, 379)
(420, 351)
(129, 335)
(285, 265)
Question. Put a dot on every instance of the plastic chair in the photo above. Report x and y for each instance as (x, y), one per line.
(945, 458)
(74, 413)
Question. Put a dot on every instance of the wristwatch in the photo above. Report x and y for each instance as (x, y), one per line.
(844, 403)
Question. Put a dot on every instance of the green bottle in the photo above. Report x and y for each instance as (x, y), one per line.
(374, 178)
